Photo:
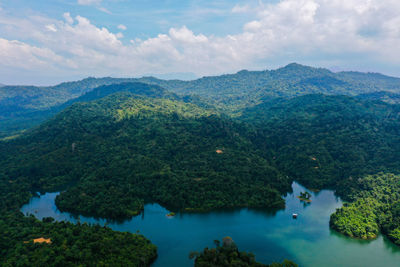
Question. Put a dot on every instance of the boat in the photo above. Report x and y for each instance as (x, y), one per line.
(295, 215)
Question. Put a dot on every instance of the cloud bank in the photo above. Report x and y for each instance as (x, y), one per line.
(334, 32)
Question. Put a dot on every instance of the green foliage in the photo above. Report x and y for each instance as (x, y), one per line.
(324, 141)
(114, 154)
(71, 245)
(388, 97)
(357, 219)
(234, 92)
(229, 255)
(376, 207)
(136, 143)
(305, 195)
(17, 114)
(22, 107)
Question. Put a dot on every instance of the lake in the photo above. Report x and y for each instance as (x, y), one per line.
(271, 236)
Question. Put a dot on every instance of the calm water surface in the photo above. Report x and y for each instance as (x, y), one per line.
(270, 236)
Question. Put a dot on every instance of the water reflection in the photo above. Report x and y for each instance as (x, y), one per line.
(272, 235)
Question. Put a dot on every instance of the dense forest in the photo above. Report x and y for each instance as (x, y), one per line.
(114, 154)
(375, 207)
(112, 145)
(227, 254)
(26, 241)
(123, 150)
(12, 118)
(387, 97)
(29, 242)
(322, 141)
(22, 107)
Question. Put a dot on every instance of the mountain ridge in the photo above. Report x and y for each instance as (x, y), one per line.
(23, 107)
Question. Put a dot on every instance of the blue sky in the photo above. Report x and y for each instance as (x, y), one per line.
(143, 19)
(46, 42)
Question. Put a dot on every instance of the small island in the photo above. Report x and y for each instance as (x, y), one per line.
(228, 254)
(171, 214)
(305, 196)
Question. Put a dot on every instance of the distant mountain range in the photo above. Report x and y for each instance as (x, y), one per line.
(25, 106)
(292, 80)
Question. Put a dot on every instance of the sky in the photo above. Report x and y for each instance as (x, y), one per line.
(47, 42)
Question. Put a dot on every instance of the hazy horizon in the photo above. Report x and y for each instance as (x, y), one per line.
(186, 76)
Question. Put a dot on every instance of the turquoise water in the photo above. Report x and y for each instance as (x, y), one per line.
(271, 236)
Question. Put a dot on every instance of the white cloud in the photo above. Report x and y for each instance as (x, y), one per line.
(94, 3)
(68, 18)
(240, 9)
(89, 2)
(252, 26)
(51, 27)
(103, 9)
(186, 36)
(326, 32)
(24, 56)
(122, 27)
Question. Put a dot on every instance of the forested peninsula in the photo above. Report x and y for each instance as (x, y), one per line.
(112, 145)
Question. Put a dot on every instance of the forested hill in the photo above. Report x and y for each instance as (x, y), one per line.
(22, 107)
(292, 80)
(324, 141)
(244, 86)
(118, 146)
(249, 87)
(388, 97)
(20, 119)
(136, 88)
(43, 97)
(122, 150)
(375, 208)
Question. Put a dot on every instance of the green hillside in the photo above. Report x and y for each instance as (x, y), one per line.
(242, 87)
(247, 88)
(121, 151)
(338, 142)
(22, 107)
(111, 156)
(375, 208)
(388, 97)
(228, 254)
(13, 122)
(69, 244)
(218, 142)
(322, 140)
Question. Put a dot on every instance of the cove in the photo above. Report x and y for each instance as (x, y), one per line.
(271, 236)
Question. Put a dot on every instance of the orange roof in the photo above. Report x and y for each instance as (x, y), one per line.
(219, 151)
(42, 240)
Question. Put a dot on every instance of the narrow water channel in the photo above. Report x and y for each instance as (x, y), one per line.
(271, 236)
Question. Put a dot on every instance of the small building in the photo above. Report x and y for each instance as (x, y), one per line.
(40, 240)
